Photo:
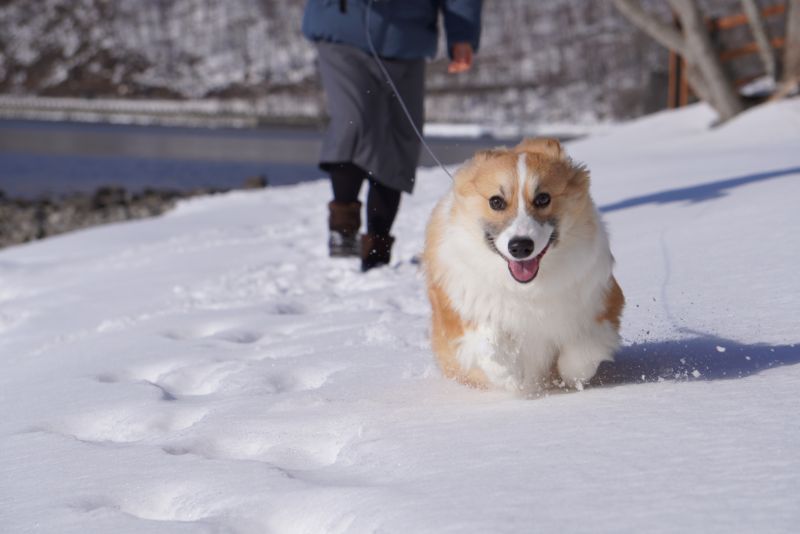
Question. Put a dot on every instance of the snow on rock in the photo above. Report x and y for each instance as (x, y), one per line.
(212, 370)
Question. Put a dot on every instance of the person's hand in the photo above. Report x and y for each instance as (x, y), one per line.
(462, 58)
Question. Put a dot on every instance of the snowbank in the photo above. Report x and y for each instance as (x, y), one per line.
(213, 371)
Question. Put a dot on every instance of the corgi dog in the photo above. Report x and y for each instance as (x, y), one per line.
(519, 273)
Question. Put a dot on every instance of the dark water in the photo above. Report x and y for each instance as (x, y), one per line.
(39, 158)
(33, 175)
(47, 158)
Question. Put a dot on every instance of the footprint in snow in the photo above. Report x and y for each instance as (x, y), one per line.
(170, 502)
(286, 444)
(127, 424)
(241, 336)
(198, 379)
(298, 378)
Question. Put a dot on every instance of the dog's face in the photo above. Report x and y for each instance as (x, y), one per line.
(521, 198)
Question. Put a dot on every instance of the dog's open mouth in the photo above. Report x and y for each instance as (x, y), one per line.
(526, 270)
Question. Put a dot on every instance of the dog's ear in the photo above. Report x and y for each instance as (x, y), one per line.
(580, 176)
(545, 146)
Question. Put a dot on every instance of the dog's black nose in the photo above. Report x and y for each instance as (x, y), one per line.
(520, 247)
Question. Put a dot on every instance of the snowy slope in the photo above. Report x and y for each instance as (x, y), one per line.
(213, 371)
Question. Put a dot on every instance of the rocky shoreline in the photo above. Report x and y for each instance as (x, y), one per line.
(23, 220)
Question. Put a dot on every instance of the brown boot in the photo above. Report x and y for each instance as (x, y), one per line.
(376, 250)
(344, 220)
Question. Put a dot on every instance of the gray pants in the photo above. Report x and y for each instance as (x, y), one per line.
(368, 126)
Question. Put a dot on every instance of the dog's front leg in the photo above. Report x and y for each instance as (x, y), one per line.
(578, 361)
(536, 363)
(481, 353)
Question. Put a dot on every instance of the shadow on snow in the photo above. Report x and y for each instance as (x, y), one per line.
(701, 358)
(698, 193)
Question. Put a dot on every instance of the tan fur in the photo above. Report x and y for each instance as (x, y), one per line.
(447, 327)
(447, 330)
(548, 147)
(491, 173)
(615, 301)
(482, 179)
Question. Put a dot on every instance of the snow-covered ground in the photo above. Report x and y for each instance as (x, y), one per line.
(213, 371)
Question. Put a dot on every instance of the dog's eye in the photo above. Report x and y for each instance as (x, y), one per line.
(541, 200)
(497, 203)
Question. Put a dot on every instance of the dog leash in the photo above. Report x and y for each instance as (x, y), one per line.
(396, 92)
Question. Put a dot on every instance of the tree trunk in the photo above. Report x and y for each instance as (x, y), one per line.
(756, 22)
(702, 54)
(693, 42)
(791, 58)
(666, 35)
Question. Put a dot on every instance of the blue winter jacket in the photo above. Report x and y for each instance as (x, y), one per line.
(400, 29)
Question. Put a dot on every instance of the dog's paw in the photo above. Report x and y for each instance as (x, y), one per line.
(578, 364)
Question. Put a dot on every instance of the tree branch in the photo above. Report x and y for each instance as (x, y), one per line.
(702, 54)
(791, 54)
(665, 34)
(760, 34)
(697, 84)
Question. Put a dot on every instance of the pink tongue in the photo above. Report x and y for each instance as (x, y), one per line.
(524, 271)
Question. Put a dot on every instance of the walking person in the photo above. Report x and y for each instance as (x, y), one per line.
(369, 137)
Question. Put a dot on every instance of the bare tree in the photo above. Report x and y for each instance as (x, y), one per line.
(756, 22)
(692, 41)
(791, 58)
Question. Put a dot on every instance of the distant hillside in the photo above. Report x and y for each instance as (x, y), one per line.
(548, 60)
